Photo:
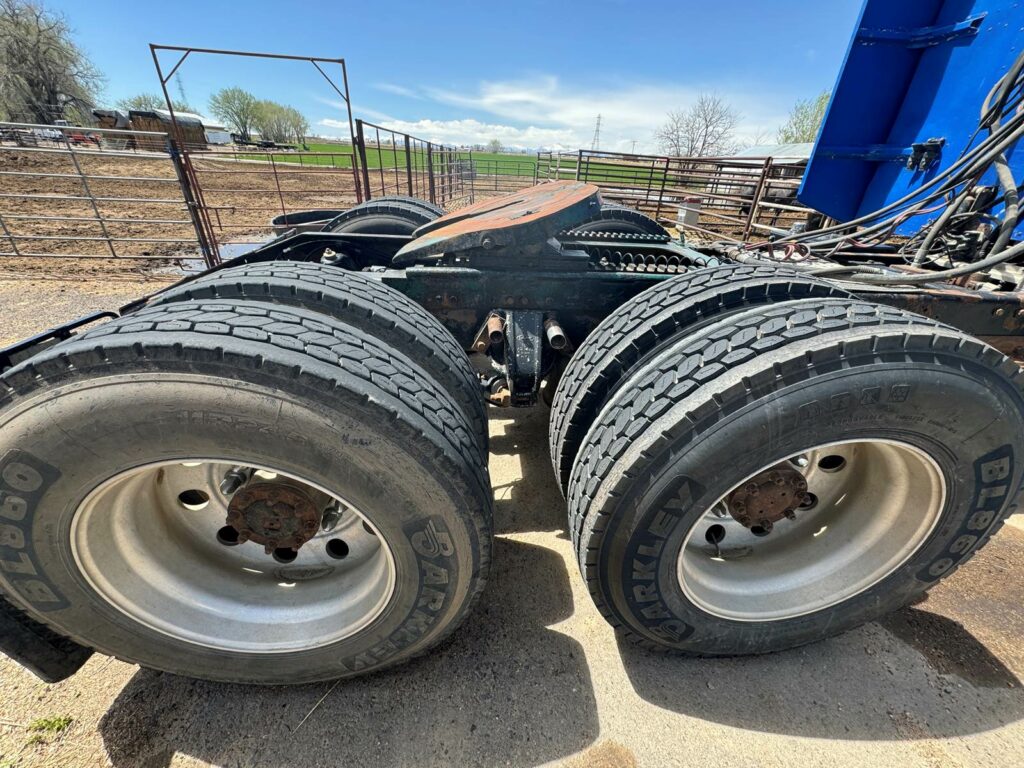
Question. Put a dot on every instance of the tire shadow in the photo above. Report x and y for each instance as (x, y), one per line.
(504, 690)
(531, 501)
(949, 668)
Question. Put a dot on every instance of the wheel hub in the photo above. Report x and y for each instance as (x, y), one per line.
(767, 498)
(275, 514)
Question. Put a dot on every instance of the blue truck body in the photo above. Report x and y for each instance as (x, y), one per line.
(915, 71)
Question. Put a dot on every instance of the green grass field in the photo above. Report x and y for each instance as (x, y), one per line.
(340, 156)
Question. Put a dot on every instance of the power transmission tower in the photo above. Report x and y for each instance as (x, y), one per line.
(595, 145)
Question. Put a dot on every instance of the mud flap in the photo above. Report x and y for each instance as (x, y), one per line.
(39, 649)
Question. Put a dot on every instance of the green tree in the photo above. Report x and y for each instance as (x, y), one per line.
(238, 109)
(298, 125)
(44, 75)
(146, 102)
(805, 119)
(494, 146)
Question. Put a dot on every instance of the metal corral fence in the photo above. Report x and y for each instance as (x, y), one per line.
(247, 194)
(71, 192)
(731, 198)
(396, 163)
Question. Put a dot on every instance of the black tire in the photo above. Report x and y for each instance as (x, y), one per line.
(759, 388)
(384, 216)
(278, 387)
(354, 300)
(380, 217)
(426, 205)
(614, 217)
(640, 326)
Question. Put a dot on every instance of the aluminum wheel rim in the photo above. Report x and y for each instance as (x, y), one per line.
(155, 557)
(871, 515)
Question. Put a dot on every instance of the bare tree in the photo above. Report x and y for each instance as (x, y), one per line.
(705, 129)
(238, 108)
(805, 119)
(44, 76)
(494, 146)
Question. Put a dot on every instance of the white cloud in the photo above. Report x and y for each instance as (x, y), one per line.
(398, 90)
(543, 112)
(471, 131)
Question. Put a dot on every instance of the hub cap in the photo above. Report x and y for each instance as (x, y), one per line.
(153, 542)
(853, 513)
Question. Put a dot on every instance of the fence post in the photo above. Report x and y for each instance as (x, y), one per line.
(408, 165)
(579, 162)
(756, 199)
(430, 172)
(361, 149)
(661, 192)
(210, 256)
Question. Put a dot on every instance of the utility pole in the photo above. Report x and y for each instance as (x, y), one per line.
(595, 145)
(633, 150)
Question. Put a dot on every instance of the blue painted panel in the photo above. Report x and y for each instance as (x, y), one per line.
(915, 70)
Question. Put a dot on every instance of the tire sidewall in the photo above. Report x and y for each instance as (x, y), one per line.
(426, 518)
(945, 414)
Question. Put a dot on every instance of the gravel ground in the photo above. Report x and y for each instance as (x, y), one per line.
(536, 676)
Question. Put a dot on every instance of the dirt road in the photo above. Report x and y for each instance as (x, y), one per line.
(536, 676)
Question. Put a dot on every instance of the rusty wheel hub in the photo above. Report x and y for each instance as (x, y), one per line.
(274, 514)
(767, 498)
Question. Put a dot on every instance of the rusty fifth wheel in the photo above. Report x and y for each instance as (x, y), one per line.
(789, 470)
(245, 491)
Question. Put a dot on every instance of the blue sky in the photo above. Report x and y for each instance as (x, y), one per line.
(530, 73)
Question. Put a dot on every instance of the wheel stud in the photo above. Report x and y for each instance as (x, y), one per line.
(233, 480)
(331, 517)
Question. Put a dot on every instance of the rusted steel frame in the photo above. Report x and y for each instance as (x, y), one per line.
(186, 173)
(661, 191)
(756, 197)
(430, 172)
(364, 166)
(982, 313)
(408, 164)
(277, 183)
(205, 232)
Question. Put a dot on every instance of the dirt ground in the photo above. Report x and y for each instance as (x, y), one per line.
(537, 677)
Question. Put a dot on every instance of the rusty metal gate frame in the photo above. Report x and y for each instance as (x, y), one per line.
(198, 209)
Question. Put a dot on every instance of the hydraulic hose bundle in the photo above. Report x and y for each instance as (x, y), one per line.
(953, 191)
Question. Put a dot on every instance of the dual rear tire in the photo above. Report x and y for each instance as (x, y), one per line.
(704, 402)
(118, 445)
